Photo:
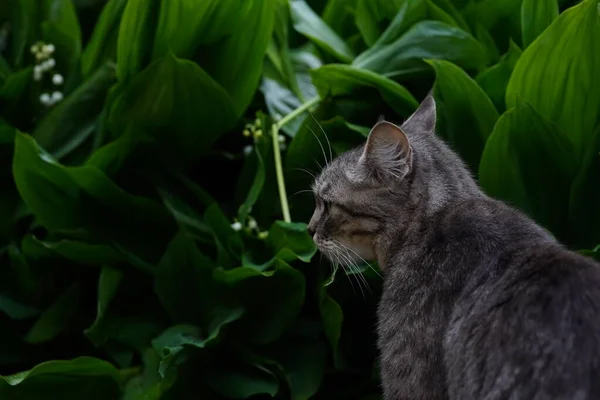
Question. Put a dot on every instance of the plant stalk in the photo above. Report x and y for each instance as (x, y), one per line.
(285, 209)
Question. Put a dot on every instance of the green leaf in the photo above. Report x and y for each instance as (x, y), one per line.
(529, 162)
(494, 80)
(370, 14)
(339, 80)
(159, 100)
(210, 21)
(466, 115)
(499, 17)
(173, 343)
(62, 13)
(102, 45)
(536, 16)
(255, 189)
(564, 55)
(75, 118)
(309, 24)
(291, 241)
(82, 202)
(108, 284)
(135, 39)
(237, 62)
(89, 377)
(24, 17)
(265, 320)
(13, 90)
(332, 318)
(184, 283)
(84, 253)
(425, 40)
(55, 318)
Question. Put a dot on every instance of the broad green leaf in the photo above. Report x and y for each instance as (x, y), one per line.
(487, 41)
(210, 21)
(290, 241)
(184, 283)
(370, 14)
(74, 119)
(85, 253)
(13, 90)
(529, 162)
(82, 202)
(558, 74)
(536, 16)
(172, 344)
(494, 80)
(425, 40)
(339, 15)
(237, 62)
(339, 80)
(102, 45)
(175, 102)
(55, 318)
(108, 284)
(135, 40)
(62, 13)
(466, 115)
(83, 377)
(228, 241)
(265, 320)
(500, 17)
(309, 24)
(24, 21)
(332, 318)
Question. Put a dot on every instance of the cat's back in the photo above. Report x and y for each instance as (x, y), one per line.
(527, 323)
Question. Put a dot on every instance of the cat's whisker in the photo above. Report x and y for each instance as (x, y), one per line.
(340, 264)
(348, 263)
(318, 163)
(363, 260)
(360, 279)
(299, 192)
(320, 144)
(307, 171)
(324, 134)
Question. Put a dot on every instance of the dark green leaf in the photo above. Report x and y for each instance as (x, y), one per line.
(255, 189)
(291, 241)
(529, 162)
(16, 310)
(265, 320)
(85, 253)
(236, 63)
(102, 45)
(494, 80)
(13, 90)
(55, 318)
(241, 381)
(466, 116)
(309, 24)
(564, 55)
(108, 284)
(339, 80)
(536, 16)
(75, 118)
(135, 39)
(425, 40)
(332, 318)
(83, 202)
(176, 102)
(85, 377)
(210, 21)
(24, 16)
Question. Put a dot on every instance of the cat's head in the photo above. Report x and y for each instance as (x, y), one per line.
(361, 192)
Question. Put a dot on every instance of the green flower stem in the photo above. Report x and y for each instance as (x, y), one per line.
(285, 209)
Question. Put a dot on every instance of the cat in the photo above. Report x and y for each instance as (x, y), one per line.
(478, 302)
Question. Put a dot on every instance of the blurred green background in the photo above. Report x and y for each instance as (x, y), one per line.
(145, 249)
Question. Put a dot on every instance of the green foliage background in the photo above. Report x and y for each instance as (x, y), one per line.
(121, 276)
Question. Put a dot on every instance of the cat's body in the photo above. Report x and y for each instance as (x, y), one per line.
(478, 301)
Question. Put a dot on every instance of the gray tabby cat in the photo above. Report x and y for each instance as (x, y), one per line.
(478, 301)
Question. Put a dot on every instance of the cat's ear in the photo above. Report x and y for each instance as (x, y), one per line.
(387, 153)
(423, 120)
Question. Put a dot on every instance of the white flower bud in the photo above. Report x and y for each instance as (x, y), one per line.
(45, 99)
(57, 79)
(50, 63)
(247, 150)
(37, 73)
(281, 139)
(252, 223)
(236, 226)
(49, 48)
(57, 96)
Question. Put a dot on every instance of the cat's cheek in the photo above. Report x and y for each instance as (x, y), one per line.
(364, 247)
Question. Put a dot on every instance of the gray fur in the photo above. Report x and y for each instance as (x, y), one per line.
(479, 302)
